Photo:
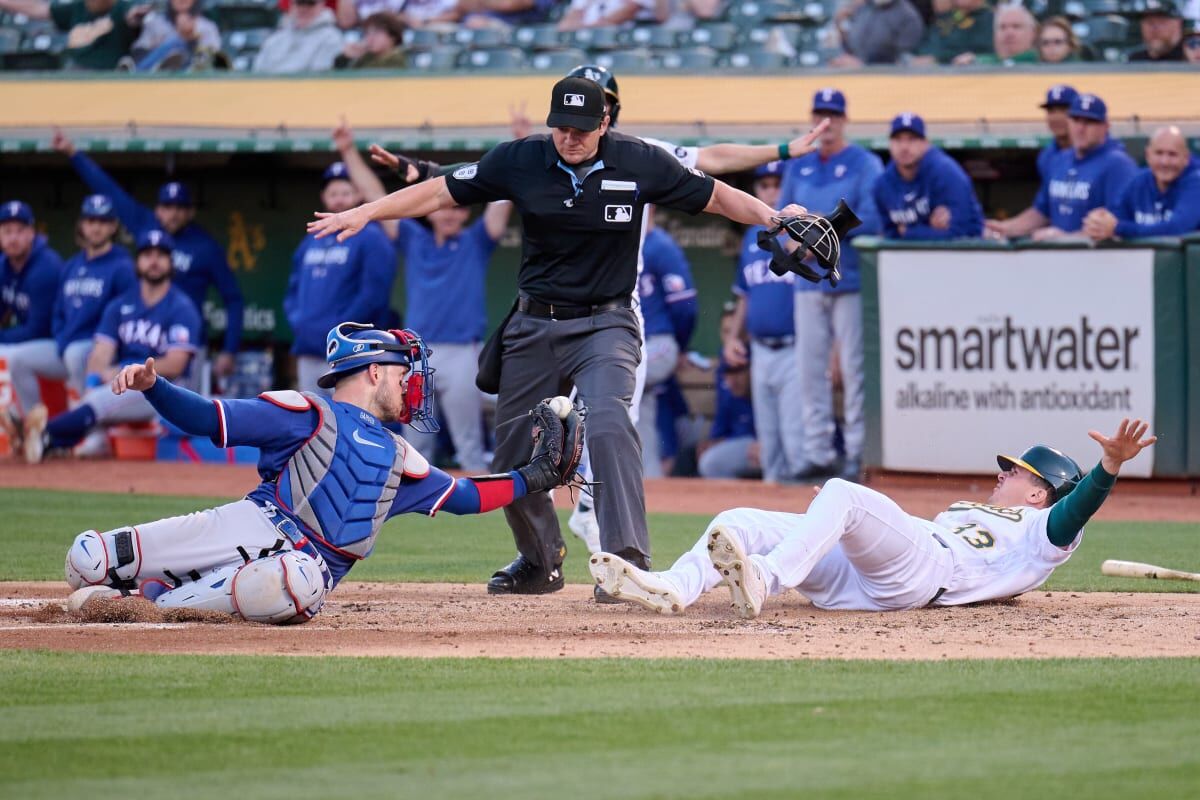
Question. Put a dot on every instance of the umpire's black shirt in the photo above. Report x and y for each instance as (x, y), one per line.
(581, 237)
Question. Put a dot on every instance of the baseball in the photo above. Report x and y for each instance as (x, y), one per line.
(561, 406)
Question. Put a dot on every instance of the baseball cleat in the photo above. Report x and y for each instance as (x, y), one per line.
(738, 572)
(35, 434)
(10, 423)
(78, 597)
(624, 581)
(582, 523)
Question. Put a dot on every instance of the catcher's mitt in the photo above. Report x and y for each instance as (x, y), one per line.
(557, 447)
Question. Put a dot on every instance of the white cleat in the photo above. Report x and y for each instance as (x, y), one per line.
(621, 579)
(739, 573)
(35, 429)
(582, 523)
(81, 596)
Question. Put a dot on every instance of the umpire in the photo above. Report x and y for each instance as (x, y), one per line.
(580, 191)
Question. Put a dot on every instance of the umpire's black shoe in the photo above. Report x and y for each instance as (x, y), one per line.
(523, 576)
(816, 472)
(633, 557)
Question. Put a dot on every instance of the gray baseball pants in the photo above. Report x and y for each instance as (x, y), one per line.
(39, 357)
(821, 319)
(776, 395)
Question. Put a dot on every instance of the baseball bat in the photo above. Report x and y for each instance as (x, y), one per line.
(1136, 569)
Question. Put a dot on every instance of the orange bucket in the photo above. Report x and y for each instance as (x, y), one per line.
(137, 442)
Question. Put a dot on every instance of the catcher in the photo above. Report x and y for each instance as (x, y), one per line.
(332, 474)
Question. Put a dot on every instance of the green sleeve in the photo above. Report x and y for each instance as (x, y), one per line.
(63, 15)
(1071, 513)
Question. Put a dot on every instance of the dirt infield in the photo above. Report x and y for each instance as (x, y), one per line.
(920, 495)
(455, 620)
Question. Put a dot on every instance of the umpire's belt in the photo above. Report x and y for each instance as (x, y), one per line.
(536, 308)
(288, 528)
(775, 342)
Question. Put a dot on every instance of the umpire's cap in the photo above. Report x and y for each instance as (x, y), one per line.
(350, 346)
(576, 103)
(604, 77)
(1053, 466)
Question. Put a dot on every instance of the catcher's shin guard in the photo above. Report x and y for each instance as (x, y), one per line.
(113, 558)
(281, 589)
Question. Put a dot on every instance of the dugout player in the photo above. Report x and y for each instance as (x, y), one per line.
(198, 259)
(1057, 104)
(90, 279)
(580, 191)
(274, 555)
(153, 319)
(856, 549)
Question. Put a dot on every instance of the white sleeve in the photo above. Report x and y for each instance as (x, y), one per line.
(687, 156)
(1038, 541)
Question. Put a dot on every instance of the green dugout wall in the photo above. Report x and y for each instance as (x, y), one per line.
(981, 344)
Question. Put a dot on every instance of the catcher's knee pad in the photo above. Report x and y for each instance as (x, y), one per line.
(113, 558)
(282, 589)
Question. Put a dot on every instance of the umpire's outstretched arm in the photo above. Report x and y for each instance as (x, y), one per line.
(738, 206)
(409, 202)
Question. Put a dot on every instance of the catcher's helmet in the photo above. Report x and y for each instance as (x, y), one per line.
(1053, 466)
(602, 76)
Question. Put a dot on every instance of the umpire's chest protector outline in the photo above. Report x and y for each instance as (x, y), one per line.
(341, 483)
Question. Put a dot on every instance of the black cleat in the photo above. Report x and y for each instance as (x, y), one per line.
(523, 576)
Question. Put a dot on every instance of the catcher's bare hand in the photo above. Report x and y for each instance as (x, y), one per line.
(138, 377)
(1123, 445)
(345, 224)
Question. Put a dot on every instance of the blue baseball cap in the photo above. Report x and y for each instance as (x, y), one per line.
(773, 168)
(1088, 106)
(336, 171)
(908, 122)
(154, 239)
(16, 211)
(1060, 96)
(97, 206)
(830, 100)
(350, 346)
(174, 194)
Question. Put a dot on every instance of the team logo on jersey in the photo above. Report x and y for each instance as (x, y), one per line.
(575, 100)
(681, 152)
(839, 170)
(674, 283)
(618, 213)
(467, 172)
(179, 334)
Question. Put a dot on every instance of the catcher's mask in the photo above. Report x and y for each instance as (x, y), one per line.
(352, 346)
(819, 236)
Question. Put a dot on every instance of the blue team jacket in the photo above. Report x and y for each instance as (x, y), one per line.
(27, 297)
(1145, 211)
(1073, 185)
(939, 181)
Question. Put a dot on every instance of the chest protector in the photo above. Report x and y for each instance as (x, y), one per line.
(341, 483)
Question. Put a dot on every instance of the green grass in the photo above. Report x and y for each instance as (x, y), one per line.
(36, 527)
(89, 725)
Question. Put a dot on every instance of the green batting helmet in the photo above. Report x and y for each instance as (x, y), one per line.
(1053, 466)
(602, 76)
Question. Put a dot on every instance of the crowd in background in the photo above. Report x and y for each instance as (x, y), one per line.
(314, 36)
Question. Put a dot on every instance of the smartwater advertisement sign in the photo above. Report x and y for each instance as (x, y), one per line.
(990, 352)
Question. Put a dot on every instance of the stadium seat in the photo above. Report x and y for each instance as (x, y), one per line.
(815, 12)
(788, 34)
(750, 12)
(689, 58)
(1107, 30)
(622, 61)
(436, 59)
(10, 40)
(32, 61)
(597, 38)
(237, 42)
(539, 37)
(756, 60)
(481, 38)
(499, 59)
(558, 60)
(423, 38)
(718, 35)
(239, 15)
(655, 37)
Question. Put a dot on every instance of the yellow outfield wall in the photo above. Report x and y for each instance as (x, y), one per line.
(483, 101)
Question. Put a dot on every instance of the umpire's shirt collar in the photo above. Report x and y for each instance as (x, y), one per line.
(604, 153)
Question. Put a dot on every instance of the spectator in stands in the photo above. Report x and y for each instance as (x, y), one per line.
(100, 271)
(155, 319)
(1162, 32)
(1092, 173)
(99, 32)
(924, 193)
(503, 13)
(198, 260)
(830, 317)
(878, 32)
(683, 14)
(1163, 199)
(603, 13)
(731, 451)
(1191, 43)
(1057, 42)
(668, 297)
(353, 13)
(29, 275)
(307, 40)
(1014, 39)
(1057, 104)
(431, 13)
(170, 40)
(380, 47)
(333, 281)
(965, 28)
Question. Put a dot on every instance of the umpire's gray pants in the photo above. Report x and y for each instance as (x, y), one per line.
(27, 361)
(598, 355)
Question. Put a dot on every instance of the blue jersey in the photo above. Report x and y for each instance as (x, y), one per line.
(27, 297)
(140, 331)
(279, 428)
(734, 416)
(939, 181)
(198, 259)
(666, 289)
(87, 287)
(818, 184)
(446, 285)
(1145, 211)
(1072, 186)
(1045, 154)
(334, 282)
(768, 296)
